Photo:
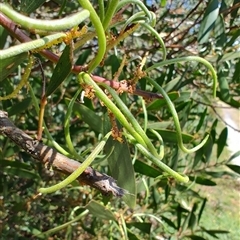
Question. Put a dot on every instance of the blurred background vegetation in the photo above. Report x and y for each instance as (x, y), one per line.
(161, 208)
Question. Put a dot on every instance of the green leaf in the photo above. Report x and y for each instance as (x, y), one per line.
(201, 120)
(234, 13)
(234, 168)
(209, 19)
(19, 107)
(142, 226)
(219, 32)
(88, 116)
(224, 86)
(171, 136)
(61, 71)
(157, 104)
(145, 169)
(222, 141)
(15, 164)
(8, 65)
(3, 36)
(20, 172)
(195, 237)
(202, 209)
(99, 211)
(120, 164)
(29, 6)
(202, 180)
(236, 75)
(235, 155)
(169, 222)
(132, 236)
(158, 125)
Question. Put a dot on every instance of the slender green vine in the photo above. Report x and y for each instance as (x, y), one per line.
(176, 120)
(188, 59)
(78, 171)
(100, 34)
(46, 25)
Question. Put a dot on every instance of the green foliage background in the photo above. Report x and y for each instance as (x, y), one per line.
(157, 205)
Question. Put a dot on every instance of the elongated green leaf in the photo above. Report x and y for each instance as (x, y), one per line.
(3, 37)
(202, 118)
(222, 141)
(19, 107)
(171, 136)
(169, 222)
(219, 32)
(142, 226)
(29, 6)
(20, 172)
(88, 116)
(131, 235)
(235, 12)
(202, 180)
(195, 237)
(201, 209)
(120, 164)
(157, 104)
(61, 71)
(99, 211)
(235, 168)
(15, 164)
(209, 19)
(146, 170)
(8, 65)
(235, 155)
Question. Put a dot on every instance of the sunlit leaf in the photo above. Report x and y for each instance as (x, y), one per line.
(145, 169)
(8, 65)
(235, 168)
(143, 226)
(222, 141)
(202, 180)
(29, 6)
(99, 211)
(209, 19)
(88, 116)
(61, 71)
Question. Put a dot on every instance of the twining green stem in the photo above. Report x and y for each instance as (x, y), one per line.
(85, 78)
(176, 120)
(159, 163)
(112, 5)
(79, 170)
(156, 34)
(46, 25)
(161, 152)
(139, 3)
(100, 34)
(140, 18)
(101, 10)
(186, 59)
(30, 46)
(144, 114)
(134, 123)
(67, 125)
(59, 228)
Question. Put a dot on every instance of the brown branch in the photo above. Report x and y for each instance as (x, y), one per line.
(50, 157)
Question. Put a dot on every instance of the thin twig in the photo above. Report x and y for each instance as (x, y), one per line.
(49, 156)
